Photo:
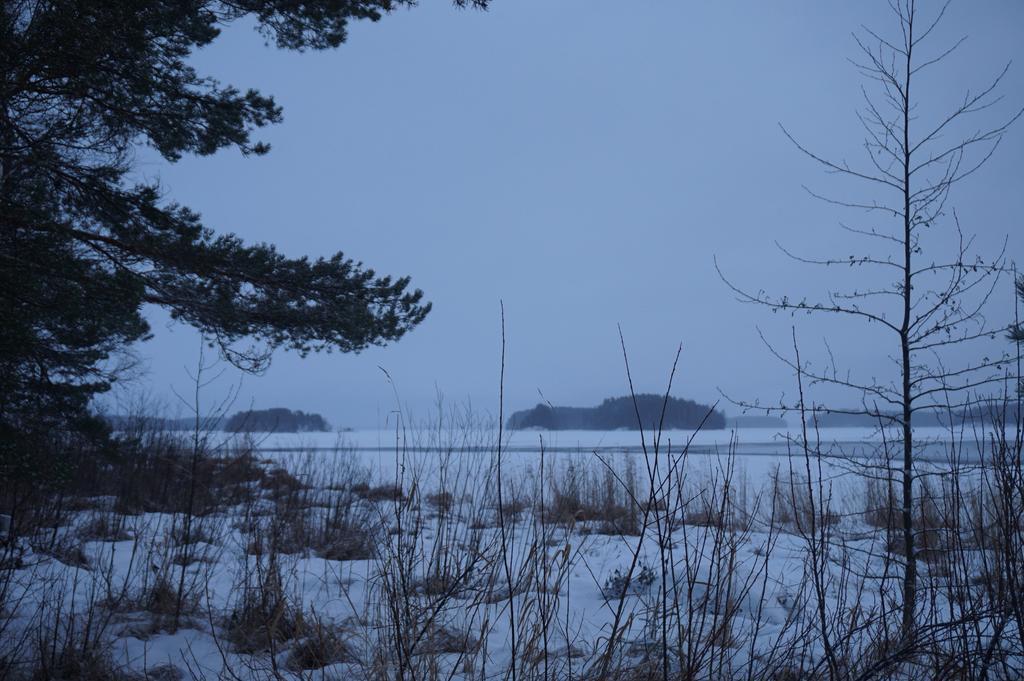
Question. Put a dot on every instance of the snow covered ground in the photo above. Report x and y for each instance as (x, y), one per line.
(372, 554)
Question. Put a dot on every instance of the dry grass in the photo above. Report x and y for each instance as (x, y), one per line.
(375, 493)
(263, 617)
(598, 500)
(322, 646)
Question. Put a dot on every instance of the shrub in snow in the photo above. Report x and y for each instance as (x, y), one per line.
(616, 585)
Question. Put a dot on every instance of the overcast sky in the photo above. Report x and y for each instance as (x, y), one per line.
(583, 161)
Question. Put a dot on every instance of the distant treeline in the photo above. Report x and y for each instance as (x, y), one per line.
(983, 412)
(621, 413)
(276, 420)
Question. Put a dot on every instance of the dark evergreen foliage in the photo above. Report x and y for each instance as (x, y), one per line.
(276, 420)
(621, 413)
(84, 245)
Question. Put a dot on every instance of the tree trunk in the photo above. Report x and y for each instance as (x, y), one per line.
(910, 573)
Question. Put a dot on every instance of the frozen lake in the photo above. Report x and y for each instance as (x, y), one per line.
(932, 443)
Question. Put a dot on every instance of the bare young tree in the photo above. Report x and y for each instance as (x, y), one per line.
(928, 297)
